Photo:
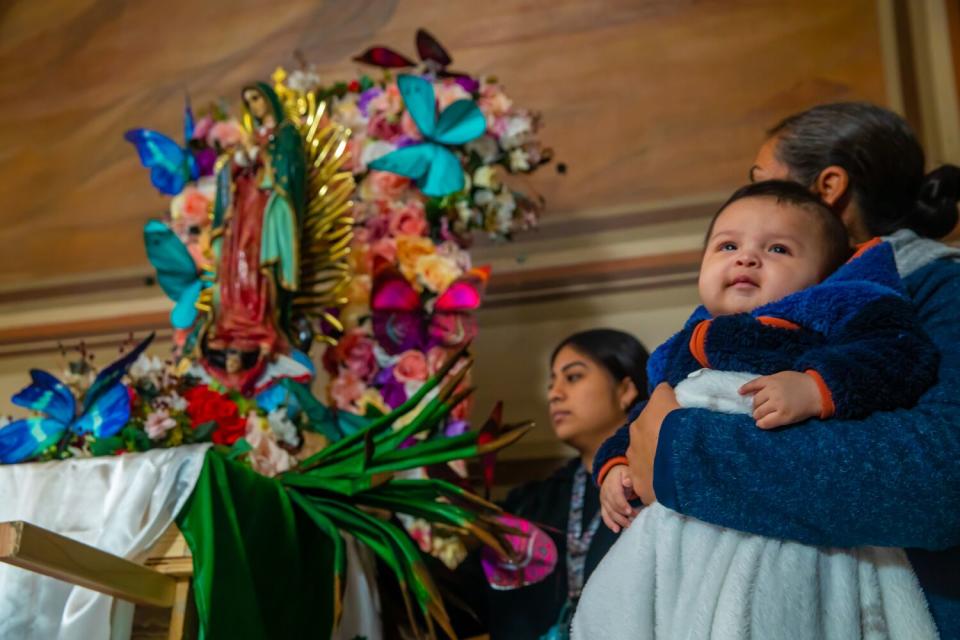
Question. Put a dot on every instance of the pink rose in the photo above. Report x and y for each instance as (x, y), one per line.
(362, 236)
(266, 456)
(408, 220)
(381, 127)
(358, 357)
(411, 366)
(383, 185)
(345, 390)
(449, 92)
(158, 424)
(388, 101)
(385, 248)
(191, 207)
(378, 226)
(493, 102)
(202, 128)
(225, 134)
(196, 206)
(354, 161)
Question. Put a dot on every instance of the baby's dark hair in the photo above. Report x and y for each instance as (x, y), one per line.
(832, 232)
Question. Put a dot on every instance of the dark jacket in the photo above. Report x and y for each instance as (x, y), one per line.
(528, 612)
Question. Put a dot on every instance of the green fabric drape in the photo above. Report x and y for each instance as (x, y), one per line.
(273, 568)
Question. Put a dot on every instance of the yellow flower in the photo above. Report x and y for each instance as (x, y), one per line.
(409, 250)
(437, 272)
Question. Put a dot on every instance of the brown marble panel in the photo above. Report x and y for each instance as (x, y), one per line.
(643, 99)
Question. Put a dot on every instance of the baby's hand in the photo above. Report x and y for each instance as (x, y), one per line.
(783, 398)
(615, 491)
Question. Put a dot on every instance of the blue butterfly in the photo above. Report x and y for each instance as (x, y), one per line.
(435, 168)
(171, 166)
(176, 272)
(105, 410)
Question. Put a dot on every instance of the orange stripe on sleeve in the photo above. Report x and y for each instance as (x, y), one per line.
(780, 323)
(610, 464)
(698, 343)
(826, 398)
(863, 247)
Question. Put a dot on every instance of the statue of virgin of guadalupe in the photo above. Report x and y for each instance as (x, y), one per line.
(257, 221)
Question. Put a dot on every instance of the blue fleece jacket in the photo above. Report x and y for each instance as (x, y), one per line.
(891, 479)
(845, 331)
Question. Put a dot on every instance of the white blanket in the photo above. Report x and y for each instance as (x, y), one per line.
(677, 578)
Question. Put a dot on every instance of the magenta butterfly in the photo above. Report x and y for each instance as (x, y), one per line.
(400, 321)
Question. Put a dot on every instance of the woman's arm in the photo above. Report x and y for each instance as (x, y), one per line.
(891, 479)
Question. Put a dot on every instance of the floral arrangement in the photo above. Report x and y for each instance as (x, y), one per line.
(428, 158)
(141, 402)
(415, 290)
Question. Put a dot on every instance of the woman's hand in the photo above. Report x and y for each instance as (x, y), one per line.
(615, 491)
(644, 435)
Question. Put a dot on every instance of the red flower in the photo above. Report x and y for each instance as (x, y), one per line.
(205, 405)
(354, 86)
(132, 394)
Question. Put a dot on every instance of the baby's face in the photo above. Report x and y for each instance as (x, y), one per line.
(759, 251)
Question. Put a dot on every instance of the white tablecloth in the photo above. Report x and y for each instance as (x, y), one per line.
(119, 504)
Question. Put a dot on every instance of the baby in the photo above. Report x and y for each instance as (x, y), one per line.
(787, 331)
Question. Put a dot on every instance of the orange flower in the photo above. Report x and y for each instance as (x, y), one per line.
(409, 250)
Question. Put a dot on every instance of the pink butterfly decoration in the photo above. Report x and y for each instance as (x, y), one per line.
(400, 321)
(536, 551)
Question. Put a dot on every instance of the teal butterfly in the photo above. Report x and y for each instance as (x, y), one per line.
(176, 272)
(104, 412)
(434, 167)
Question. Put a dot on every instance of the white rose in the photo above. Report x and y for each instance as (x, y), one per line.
(519, 160)
(485, 147)
(285, 430)
(485, 178)
(303, 81)
(516, 132)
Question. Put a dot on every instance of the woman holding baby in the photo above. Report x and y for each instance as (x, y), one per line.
(820, 499)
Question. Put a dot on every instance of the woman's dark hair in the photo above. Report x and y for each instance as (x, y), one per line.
(883, 159)
(616, 351)
(833, 235)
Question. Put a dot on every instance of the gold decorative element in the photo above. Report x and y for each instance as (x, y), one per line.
(327, 229)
